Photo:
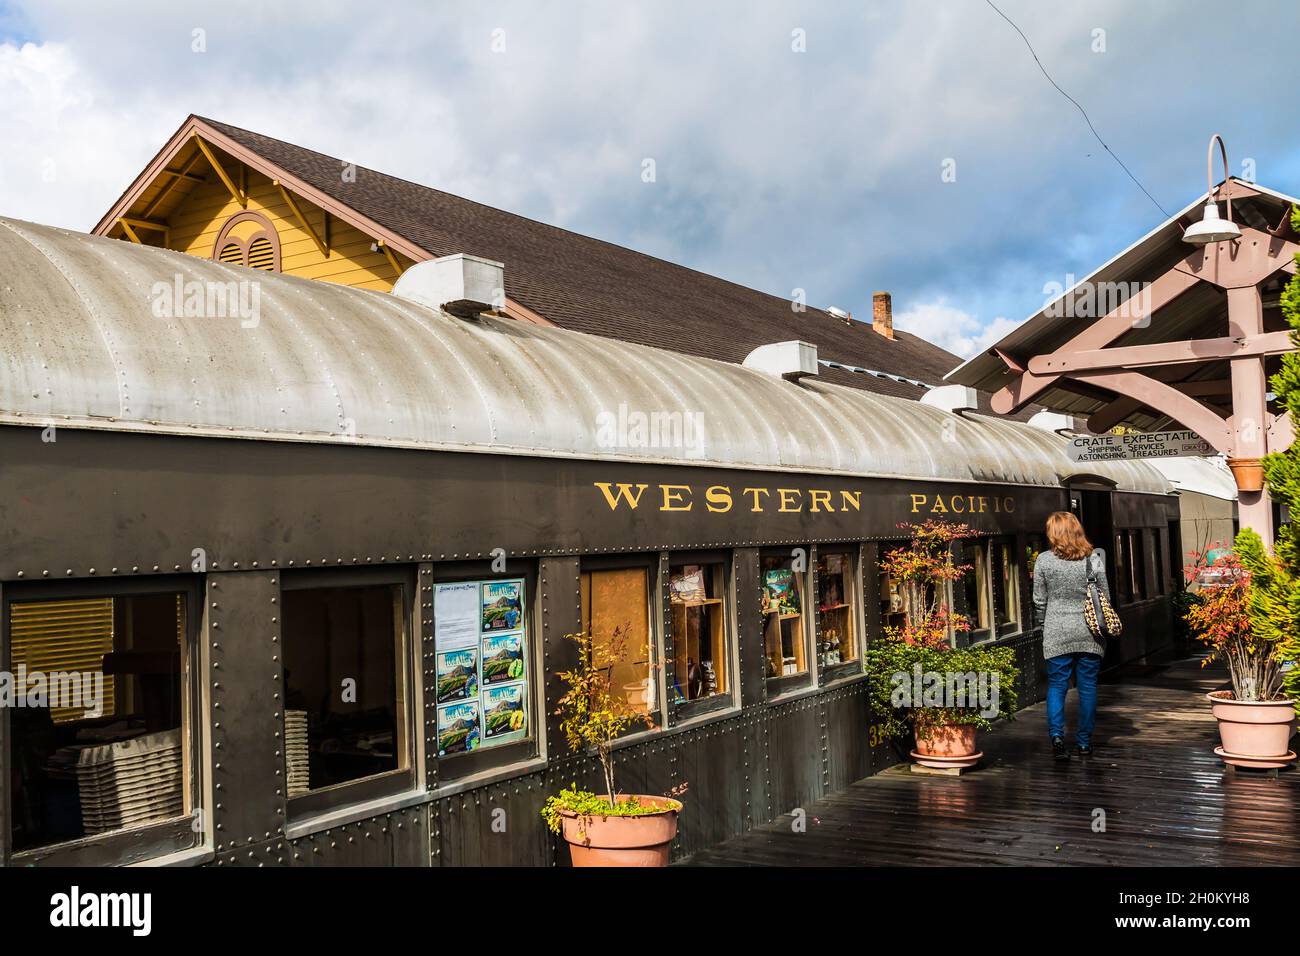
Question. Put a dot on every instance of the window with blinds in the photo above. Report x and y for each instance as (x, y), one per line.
(63, 636)
(99, 740)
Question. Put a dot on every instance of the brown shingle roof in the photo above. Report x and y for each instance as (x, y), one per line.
(593, 286)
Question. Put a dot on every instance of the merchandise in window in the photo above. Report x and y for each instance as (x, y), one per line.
(837, 588)
(699, 628)
(784, 631)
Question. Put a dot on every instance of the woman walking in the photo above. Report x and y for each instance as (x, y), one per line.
(1060, 589)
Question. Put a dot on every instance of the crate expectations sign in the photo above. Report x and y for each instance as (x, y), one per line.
(1130, 447)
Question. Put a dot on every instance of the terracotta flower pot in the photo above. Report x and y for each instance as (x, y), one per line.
(948, 745)
(643, 840)
(1254, 733)
(1249, 473)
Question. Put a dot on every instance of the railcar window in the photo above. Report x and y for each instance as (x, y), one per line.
(620, 599)
(1137, 563)
(1123, 584)
(784, 630)
(99, 715)
(992, 587)
(344, 682)
(977, 587)
(1006, 584)
(697, 596)
(481, 642)
(893, 599)
(1161, 583)
(837, 604)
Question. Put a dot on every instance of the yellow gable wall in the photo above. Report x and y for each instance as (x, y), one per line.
(197, 221)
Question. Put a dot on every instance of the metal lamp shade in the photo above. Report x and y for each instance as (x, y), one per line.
(1211, 228)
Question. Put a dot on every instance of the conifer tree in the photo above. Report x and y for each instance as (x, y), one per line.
(1275, 578)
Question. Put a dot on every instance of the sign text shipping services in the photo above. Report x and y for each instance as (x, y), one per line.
(1184, 444)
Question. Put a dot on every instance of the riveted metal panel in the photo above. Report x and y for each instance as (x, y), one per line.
(398, 838)
(711, 762)
(561, 603)
(747, 584)
(265, 853)
(242, 635)
(848, 750)
(795, 771)
(500, 825)
(429, 668)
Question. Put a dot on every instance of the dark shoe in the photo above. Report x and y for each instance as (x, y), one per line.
(1058, 749)
(1084, 750)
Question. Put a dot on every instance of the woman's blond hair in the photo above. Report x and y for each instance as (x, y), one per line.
(1066, 538)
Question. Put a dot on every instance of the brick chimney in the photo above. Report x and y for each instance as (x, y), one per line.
(882, 314)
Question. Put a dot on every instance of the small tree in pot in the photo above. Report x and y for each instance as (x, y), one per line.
(917, 678)
(613, 829)
(1239, 612)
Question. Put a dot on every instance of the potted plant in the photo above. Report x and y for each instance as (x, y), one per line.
(613, 828)
(1234, 614)
(918, 679)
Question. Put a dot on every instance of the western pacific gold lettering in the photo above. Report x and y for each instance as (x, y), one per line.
(718, 498)
(962, 504)
(674, 495)
(624, 494)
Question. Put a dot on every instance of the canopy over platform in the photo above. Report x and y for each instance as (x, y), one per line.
(94, 334)
(1168, 333)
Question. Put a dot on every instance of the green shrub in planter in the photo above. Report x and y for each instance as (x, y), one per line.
(896, 671)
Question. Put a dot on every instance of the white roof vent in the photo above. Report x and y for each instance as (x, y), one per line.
(1053, 422)
(461, 284)
(788, 360)
(952, 398)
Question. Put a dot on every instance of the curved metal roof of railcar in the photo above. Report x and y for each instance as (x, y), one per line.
(81, 346)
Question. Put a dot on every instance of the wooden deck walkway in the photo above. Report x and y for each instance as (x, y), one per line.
(1168, 801)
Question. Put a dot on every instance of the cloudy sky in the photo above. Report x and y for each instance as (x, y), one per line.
(794, 145)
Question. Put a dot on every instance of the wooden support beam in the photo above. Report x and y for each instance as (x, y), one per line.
(229, 183)
(1161, 353)
(1169, 401)
(302, 219)
(1096, 336)
(1010, 361)
(1242, 263)
(183, 176)
(130, 232)
(1104, 419)
(392, 260)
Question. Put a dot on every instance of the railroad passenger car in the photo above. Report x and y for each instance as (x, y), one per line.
(323, 555)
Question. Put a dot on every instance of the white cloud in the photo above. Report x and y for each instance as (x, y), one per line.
(951, 328)
(817, 170)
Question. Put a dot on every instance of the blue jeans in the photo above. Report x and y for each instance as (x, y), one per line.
(1085, 668)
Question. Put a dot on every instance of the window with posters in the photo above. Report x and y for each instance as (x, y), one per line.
(481, 648)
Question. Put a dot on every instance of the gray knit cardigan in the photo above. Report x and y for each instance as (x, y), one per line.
(1059, 590)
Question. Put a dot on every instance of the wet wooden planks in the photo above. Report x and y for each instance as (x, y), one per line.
(1166, 799)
